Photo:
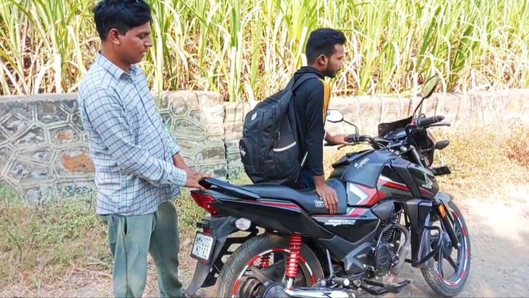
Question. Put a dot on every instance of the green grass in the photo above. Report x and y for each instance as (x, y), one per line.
(247, 49)
(48, 240)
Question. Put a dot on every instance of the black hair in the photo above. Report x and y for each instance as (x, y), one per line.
(322, 41)
(121, 15)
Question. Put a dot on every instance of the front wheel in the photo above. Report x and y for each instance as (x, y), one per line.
(447, 272)
(257, 268)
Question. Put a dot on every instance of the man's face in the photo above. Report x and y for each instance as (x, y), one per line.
(135, 43)
(334, 62)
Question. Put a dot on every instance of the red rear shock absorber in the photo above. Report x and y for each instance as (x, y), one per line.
(265, 261)
(293, 259)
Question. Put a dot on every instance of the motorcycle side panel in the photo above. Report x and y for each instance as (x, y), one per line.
(282, 216)
(426, 181)
(358, 224)
(390, 185)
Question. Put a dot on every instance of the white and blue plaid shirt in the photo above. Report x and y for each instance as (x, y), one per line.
(130, 146)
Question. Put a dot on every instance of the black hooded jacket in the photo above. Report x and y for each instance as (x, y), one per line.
(308, 104)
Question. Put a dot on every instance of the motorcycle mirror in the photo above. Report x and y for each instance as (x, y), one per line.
(429, 86)
(334, 116)
(427, 90)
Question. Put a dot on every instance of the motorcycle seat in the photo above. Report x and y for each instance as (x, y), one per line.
(308, 199)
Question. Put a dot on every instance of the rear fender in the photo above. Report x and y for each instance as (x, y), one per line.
(221, 228)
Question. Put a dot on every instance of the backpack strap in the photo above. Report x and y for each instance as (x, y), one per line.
(304, 77)
(326, 97)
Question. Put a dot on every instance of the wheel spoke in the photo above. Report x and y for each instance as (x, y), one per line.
(440, 262)
(452, 263)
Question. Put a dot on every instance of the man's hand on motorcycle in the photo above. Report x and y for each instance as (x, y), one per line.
(329, 197)
(193, 179)
(339, 139)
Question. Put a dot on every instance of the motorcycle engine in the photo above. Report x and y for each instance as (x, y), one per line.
(384, 255)
(383, 258)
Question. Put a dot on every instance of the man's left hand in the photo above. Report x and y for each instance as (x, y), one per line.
(339, 139)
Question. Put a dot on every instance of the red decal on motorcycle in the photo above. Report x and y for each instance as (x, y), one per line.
(426, 193)
(394, 185)
(281, 205)
(372, 193)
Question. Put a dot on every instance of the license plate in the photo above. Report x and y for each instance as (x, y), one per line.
(203, 247)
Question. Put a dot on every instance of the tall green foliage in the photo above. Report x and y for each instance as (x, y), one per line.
(244, 49)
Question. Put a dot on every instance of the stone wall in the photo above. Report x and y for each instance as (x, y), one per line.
(44, 151)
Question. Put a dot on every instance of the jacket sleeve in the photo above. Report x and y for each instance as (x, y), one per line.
(315, 127)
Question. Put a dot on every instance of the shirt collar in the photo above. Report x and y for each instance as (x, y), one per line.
(113, 69)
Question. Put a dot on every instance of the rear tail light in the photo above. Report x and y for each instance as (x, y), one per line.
(205, 201)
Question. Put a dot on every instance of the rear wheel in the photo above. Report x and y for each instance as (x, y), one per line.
(257, 268)
(447, 272)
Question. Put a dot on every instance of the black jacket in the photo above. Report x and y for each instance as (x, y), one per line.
(308, 107)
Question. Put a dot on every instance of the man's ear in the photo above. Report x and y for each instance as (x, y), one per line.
(113, 36)
(322, 60)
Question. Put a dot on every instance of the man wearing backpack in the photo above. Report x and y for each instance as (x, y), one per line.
(324, 52)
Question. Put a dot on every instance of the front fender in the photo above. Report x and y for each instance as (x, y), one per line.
(444, 197)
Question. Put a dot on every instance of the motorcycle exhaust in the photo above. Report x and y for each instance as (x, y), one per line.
(319, 292)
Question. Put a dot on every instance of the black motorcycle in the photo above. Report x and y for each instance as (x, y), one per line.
(275, 241)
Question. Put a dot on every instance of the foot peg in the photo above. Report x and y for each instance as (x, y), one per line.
(378, 288)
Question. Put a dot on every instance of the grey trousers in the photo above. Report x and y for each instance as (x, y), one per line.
(131, 238)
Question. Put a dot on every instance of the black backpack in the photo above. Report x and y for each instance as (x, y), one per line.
(269, 148)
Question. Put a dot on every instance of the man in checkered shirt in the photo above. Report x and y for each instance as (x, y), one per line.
(138, 166)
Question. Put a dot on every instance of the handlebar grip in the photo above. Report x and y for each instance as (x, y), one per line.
(422, 122)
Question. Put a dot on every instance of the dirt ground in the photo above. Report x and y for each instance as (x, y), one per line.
(499, 231)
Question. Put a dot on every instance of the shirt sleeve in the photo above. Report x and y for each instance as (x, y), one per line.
(109, 120)
(169, 141)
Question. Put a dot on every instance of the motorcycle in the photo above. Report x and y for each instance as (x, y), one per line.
(275, 241)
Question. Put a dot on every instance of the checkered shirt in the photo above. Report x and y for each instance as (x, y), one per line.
(130, 146)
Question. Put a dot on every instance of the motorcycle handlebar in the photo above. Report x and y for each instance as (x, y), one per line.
(354, 138)
(422, 122)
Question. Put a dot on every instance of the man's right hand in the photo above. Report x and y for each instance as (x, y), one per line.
(193, 178)
(328, 195)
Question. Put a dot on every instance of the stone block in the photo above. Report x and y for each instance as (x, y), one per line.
(77, 122)
(235, 114)
(49, 112)
(163, 101)
(178, 105)
(166, 119)
(22, 109)
(76, 188)
(4, 111)
(74, 162)
(216, 170)
(3, 137)
(38, 194)
(35, 135)
(188, 129)
(6, 154)
(40, 154)
(64, 135)
(394, 109)
(208, 98)
(23, 171)
(15, 125)
(69, 106)
(212, 154)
